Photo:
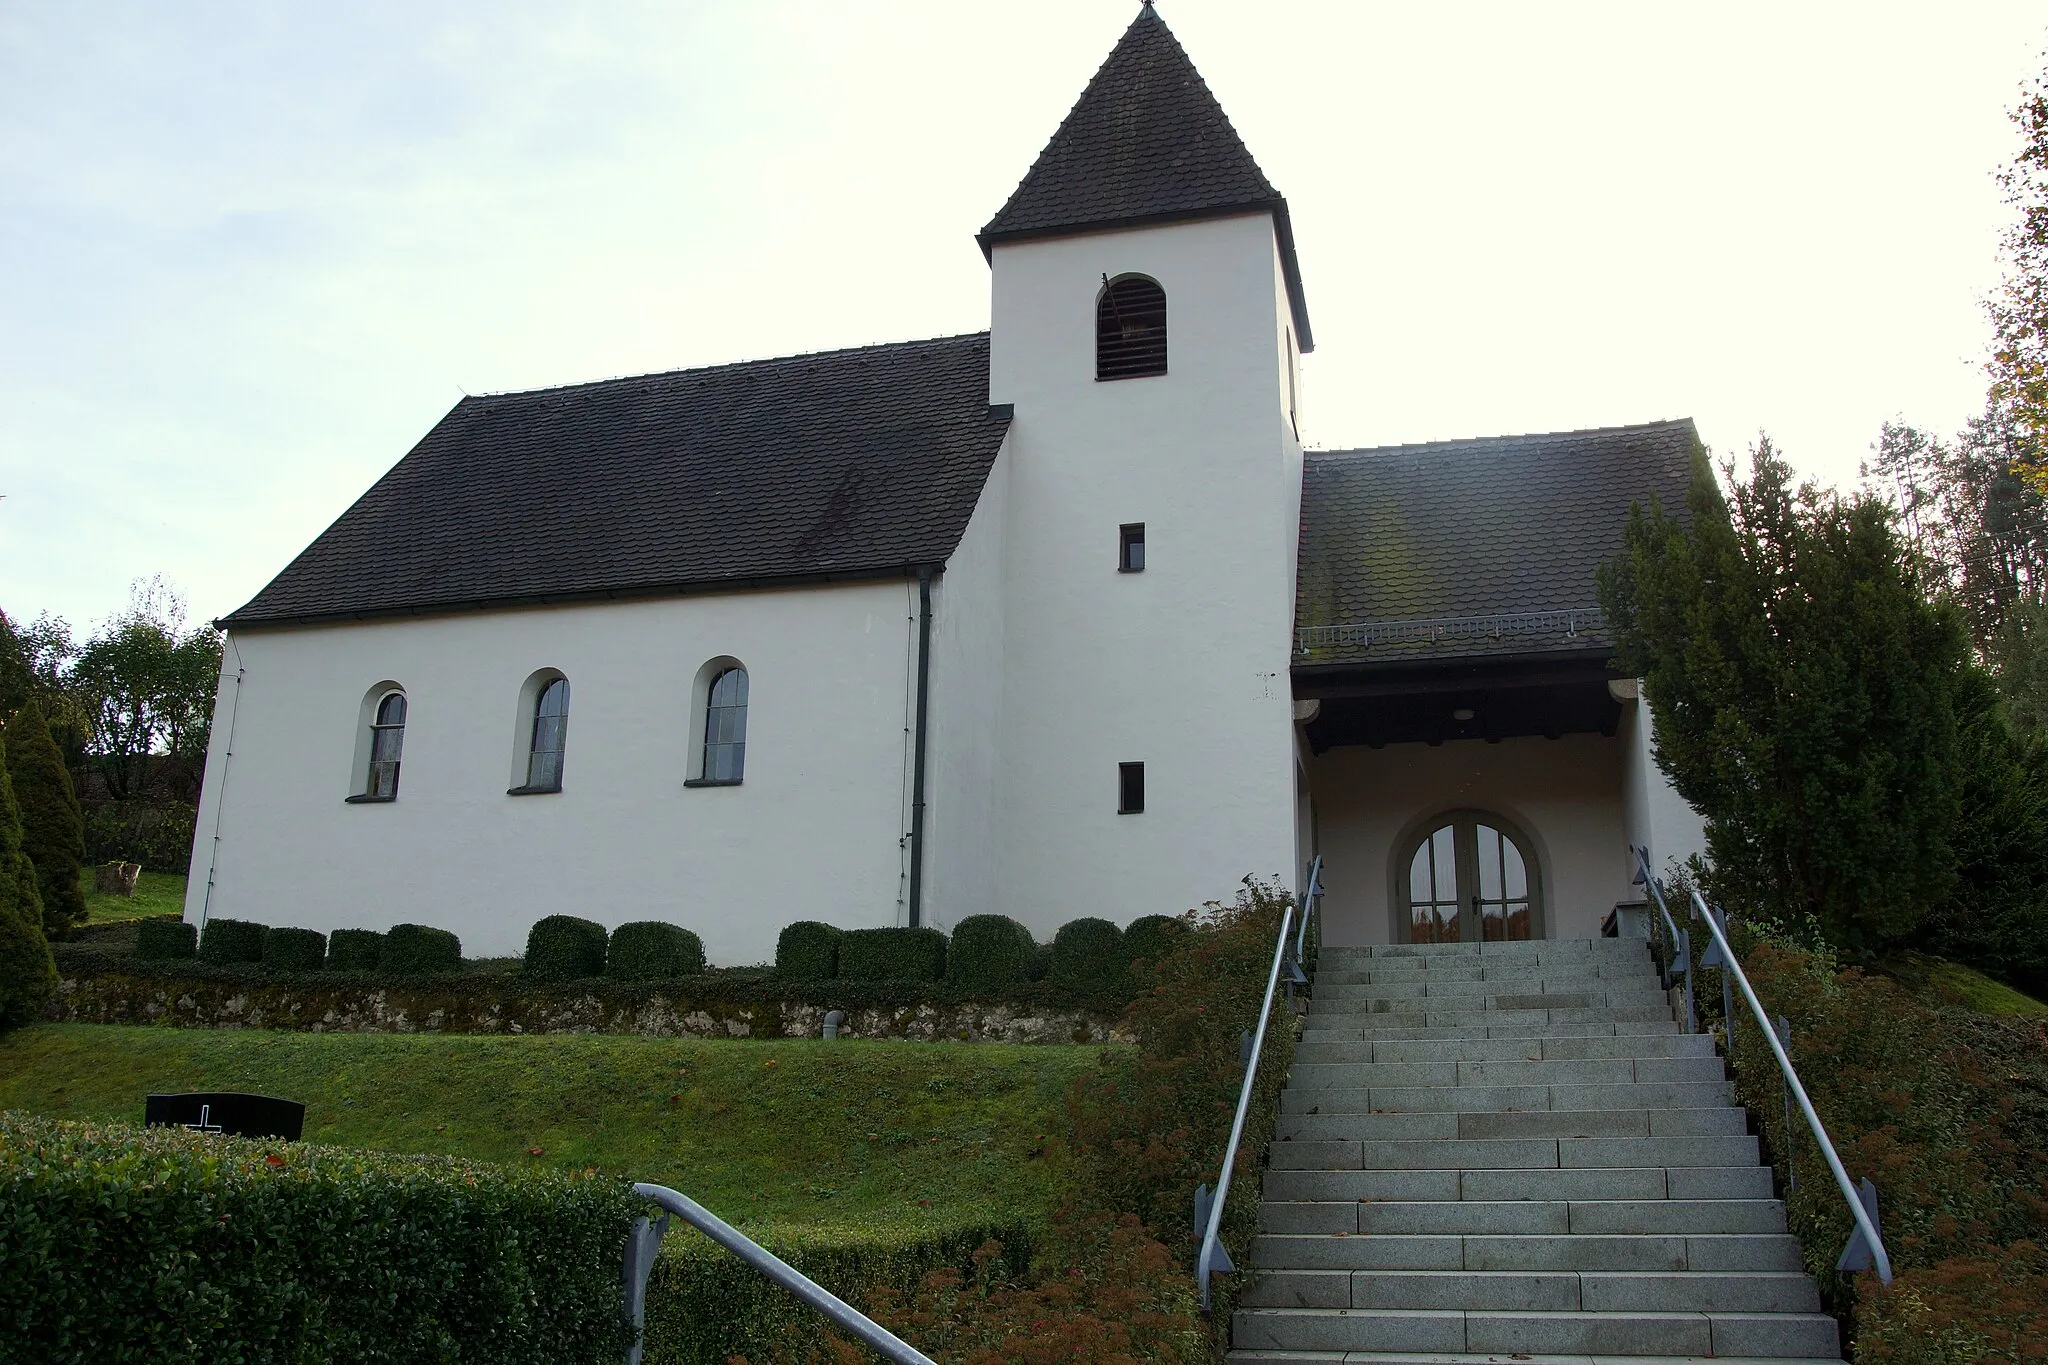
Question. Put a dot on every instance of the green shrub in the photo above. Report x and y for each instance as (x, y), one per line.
(807, 951)
(565, 948)
(420, 949)
(1089, 955)
(52, 828)
(989, 953)
(232, 940)
(648, 950)
(1149, 938)
(354, 950)
(156, 834)
(894, 954)
(163, 937)
(159, 1244)
(294, 950)
(705, 1306)
(1040, 966)
(28, 975)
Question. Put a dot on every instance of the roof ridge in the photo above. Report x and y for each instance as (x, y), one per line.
(1473, 443)
(727, 365)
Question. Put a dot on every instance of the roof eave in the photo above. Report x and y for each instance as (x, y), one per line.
(1283, 233)
(753, 583)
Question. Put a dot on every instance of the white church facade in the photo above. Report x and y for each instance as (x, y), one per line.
(1052, 620)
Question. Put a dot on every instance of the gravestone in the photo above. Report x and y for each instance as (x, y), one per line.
(224, 1111)
(116, 878)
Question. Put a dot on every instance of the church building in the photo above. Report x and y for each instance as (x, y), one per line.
(1050, 620)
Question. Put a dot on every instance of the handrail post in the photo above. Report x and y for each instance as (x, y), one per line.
(1866, 1223)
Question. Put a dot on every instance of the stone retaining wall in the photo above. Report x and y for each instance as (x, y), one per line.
(488, 1007)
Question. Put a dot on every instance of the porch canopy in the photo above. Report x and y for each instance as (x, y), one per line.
(1448, 590)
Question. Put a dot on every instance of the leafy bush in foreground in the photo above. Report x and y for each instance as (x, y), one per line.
(420, 949)
(989, 952)
(807, 951)
(354, 950)
(162, 1245)
(648, 950)
(232, 940)
(897, 954)
(163, 938)
(292, 950)
(1089, 955)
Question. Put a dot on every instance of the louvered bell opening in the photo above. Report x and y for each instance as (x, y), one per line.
(1130, 329)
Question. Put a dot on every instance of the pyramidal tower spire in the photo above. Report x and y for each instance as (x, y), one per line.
(1146, 143)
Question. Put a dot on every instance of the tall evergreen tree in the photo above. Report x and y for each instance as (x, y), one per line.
(52, 827)
(1805, 694)
(28, 975)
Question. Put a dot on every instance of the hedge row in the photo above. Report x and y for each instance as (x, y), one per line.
(706, 1306)
(565, 948)
(986, 953)
(157, 1244)
(407, 950)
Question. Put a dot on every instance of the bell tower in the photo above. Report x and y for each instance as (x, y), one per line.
(1147, 311)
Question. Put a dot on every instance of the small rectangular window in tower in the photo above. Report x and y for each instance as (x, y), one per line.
(1130, 788)
(1130, 548)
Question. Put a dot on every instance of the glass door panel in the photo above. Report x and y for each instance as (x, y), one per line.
(1503, 901)
(1433, 900)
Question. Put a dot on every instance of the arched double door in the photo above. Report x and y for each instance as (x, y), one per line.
(1469, 877)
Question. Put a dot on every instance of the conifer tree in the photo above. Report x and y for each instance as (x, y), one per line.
(28, 975)
(52, 827)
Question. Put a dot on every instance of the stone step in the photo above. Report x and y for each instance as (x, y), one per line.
(1481, 969)
(1583, 1071)
(1536, 1291)
(1658, 1011)
(1463, 1099)
(1307, 1185)
(1534, 1048)
(1493, 996)
(1552, 1217)
(1729, 1251)
(1726, 1121)
(1514, 1153)
(1371, 1032)
(1538, 983)
(1769, 1335)
(1519, 1358)
(1562, 949)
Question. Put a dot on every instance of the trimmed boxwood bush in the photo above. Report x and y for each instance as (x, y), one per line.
(989, 952)
(807, 951)
(354, 950)
(286, 1251)
(897, 954)
(1089, 955)
(1041, 962)
(294, 950)
(648, 949)
(417, 949)
(1150, 938)
(565, 948)
(232, 940)
(165, 938)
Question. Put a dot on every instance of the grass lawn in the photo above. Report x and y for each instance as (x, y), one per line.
(784, 1136)
(156, 893)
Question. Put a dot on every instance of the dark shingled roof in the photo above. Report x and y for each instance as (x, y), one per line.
(1146, 143)
(1507, 525)
(839, 465)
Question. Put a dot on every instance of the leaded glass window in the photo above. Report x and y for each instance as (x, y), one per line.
(387, 742)
(725, 727)
(550, 737)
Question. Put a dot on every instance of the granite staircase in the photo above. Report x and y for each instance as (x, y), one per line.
(1509, 1152)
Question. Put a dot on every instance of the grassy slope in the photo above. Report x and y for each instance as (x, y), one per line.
(156, 893)
(776, 1136)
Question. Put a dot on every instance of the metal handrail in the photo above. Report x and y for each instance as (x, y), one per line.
(1213, 1258)
(640, 1259)
(1681, 940)
(1861, 1205)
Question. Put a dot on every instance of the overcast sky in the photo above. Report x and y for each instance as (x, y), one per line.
(250, 253)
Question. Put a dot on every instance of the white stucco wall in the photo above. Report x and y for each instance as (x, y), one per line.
(1566, 793)
(964, 717)
(814, 831)
(1659, 819)
(1183, 667)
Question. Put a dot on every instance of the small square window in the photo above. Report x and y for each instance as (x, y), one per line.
(1130, 548)
(1130, 788)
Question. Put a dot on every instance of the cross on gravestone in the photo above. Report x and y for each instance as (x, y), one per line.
(238, 1115)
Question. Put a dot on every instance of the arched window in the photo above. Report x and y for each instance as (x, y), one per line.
(550, 737)
(1469, 877)
(1130, 328)
(387, 742)
(725, 727)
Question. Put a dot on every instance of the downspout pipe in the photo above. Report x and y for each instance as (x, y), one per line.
(925, 573)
